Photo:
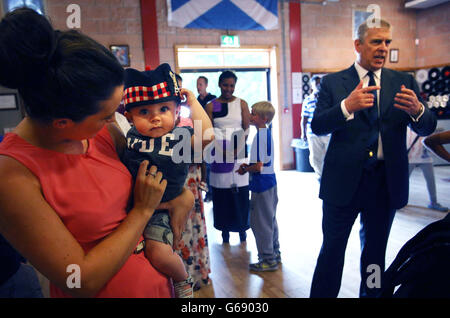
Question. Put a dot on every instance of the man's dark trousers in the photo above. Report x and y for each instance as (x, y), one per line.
(371, 200)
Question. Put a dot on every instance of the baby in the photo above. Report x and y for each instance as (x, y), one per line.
(151, 101)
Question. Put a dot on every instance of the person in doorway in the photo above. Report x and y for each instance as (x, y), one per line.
(366, 108)
(203, 96)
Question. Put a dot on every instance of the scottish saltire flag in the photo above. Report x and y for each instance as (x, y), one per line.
(223, 14)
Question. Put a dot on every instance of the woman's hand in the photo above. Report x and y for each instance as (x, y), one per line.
(149, 188)
(53, 252)
(242, 169)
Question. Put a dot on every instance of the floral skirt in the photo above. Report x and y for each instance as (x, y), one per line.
(194, 243)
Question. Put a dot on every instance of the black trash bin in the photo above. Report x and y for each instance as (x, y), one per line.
(301, 155)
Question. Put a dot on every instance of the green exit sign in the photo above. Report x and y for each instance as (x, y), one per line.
(229, 41)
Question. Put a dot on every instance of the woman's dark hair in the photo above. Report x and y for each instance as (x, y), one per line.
(227, 74)
(59, 74)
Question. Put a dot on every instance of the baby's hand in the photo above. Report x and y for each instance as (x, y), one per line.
(190, 97)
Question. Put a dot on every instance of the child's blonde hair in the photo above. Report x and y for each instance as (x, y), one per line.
(264, 109)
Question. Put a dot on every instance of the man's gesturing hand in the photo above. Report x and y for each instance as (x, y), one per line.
(360, 98)
(407, 101)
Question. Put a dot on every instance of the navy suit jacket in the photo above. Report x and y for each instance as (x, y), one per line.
(347, 150)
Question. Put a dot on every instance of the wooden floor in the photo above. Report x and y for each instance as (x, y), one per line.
(299, 220)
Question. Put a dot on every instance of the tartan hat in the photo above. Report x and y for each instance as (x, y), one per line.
(150, 87)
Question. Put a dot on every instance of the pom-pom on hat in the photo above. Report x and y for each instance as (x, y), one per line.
(150, 87)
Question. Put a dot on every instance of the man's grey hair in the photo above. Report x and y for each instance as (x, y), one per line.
(370, 23)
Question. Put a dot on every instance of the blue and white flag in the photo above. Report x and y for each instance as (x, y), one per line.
(223, 14)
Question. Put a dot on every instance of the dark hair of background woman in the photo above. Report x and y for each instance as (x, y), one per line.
(59, 74)
(227, 74)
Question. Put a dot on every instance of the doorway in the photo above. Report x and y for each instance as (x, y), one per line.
(255, 82)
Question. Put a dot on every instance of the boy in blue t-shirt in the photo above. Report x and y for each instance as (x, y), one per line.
(263, 185)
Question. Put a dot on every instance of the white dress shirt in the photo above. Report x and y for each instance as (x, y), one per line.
(362, 73)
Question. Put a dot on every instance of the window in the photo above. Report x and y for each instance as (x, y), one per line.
(251, 65)
(251, 85)
(221, 57)
(36, 5)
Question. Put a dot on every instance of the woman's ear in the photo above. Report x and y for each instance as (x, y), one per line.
(62, 123)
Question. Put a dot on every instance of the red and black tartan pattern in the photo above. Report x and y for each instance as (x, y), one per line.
(137, 94)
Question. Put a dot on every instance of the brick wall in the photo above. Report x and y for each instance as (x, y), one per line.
(433, 31)
(327, 42)
(106, 21)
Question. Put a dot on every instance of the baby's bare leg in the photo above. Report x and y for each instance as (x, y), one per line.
(179, 210)
(182, 203)
(165, 260)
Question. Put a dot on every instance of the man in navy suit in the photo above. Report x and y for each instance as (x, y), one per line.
(367, 109)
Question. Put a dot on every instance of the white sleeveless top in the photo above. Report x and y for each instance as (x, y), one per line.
(232, 121)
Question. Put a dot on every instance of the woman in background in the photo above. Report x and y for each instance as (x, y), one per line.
(194, 241)
(230, 117)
